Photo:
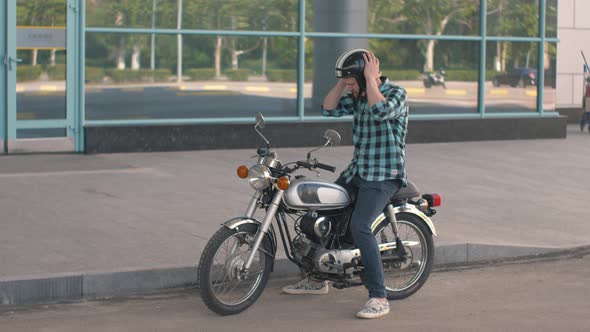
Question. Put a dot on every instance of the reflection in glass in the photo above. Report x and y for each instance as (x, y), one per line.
(551, 18)
(225, 76)
(435, 17)
(513, 18)
(549, 96)
(406, 63)
(446, 17)
(132, 14)
(260, 15)
(41, 76)
(511, 77)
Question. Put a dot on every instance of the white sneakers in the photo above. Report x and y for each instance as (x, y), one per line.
(307, 286)
(373, 308)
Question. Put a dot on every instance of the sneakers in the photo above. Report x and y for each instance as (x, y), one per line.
(373, 309)
(307, 286)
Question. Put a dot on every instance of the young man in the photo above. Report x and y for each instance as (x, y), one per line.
(377, 169)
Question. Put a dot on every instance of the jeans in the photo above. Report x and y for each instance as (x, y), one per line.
(371, 198)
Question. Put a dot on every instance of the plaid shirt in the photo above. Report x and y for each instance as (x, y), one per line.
(378, 133)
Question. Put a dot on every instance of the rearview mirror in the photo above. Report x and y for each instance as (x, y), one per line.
(259, 120)
(333, 137)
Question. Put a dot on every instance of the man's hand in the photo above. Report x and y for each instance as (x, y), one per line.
(371, 72)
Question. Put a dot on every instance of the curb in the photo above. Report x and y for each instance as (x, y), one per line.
(28, 291)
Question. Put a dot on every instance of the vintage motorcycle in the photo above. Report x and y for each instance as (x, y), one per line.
(238, 259)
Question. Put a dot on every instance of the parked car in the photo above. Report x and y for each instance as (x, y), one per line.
(521, 77)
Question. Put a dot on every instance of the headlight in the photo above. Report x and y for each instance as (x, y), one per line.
(259, 177)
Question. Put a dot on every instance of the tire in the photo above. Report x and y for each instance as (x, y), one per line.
(495, 82)
(427, 84)
(215, 292)
(403, 279)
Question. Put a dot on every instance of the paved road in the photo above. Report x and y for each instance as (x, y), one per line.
(112, 212)
(541, 296)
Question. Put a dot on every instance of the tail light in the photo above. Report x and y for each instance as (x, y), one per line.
(433, 199)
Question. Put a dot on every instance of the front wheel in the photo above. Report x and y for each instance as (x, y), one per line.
(223, 285)
(405, 276)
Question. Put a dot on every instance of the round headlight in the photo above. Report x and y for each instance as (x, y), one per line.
(259, 177)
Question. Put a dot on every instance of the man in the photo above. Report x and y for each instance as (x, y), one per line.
(377, 170)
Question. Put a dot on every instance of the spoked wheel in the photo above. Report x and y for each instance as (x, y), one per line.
(405, 276)
(224, 285)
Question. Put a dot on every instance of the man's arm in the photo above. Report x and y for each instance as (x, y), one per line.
(381, 107)
(333, 97)
(335, 104)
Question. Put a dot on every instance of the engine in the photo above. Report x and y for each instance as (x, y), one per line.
(310, 246)
(315, 227)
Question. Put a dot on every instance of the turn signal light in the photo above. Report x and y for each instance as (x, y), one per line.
(282, 183)
(243, 172)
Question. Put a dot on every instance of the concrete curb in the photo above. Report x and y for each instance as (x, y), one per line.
(26, 291)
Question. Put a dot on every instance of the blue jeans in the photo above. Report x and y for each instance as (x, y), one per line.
(371, 198)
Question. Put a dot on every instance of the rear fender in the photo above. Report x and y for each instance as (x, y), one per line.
(407, 208)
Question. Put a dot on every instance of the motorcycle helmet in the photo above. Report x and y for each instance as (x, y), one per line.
(352, 64)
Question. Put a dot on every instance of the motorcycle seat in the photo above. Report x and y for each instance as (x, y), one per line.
(409, 191)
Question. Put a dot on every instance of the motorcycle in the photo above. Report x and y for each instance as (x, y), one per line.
(238, 259)
(438, 78)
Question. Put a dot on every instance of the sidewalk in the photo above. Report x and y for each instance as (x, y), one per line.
(85, 226)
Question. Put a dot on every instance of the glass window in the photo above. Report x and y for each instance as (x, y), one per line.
(260, 15)
(433, 17)
(225, 76)
(132, 13)
(551, 18)
(40, 13)
(514, 18)
(41, 76)
(439, 76)
(549, 96)
(511, 77)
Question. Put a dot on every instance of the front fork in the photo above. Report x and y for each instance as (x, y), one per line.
(265, 225)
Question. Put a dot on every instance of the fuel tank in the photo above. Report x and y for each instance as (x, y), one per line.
(313, 194)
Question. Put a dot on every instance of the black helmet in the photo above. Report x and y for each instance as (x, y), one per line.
(352, 64)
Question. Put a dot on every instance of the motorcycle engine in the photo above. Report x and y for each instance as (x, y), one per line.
(316, 227)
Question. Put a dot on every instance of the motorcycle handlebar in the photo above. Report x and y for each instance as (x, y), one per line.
(316, 165)
(326, 167)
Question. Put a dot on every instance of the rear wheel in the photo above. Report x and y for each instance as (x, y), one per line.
(405, 277)
(223, 285)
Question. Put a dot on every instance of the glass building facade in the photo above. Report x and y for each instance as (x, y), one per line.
(221, 61)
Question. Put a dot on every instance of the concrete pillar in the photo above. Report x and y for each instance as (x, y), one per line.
(334, 16)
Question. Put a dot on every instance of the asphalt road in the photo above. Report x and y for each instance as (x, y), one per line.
(540, 296)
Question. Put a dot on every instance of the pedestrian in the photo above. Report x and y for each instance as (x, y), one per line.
(377, 170)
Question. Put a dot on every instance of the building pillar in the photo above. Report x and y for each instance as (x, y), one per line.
(347, 16)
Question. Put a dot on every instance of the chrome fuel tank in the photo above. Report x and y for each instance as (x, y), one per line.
(311, 194)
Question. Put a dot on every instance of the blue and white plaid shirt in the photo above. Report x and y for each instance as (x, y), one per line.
(378, 133)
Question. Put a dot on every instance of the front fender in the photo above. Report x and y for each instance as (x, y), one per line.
(408, 208)
(237, 221)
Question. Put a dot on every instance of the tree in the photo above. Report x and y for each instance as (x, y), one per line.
(429, 17)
